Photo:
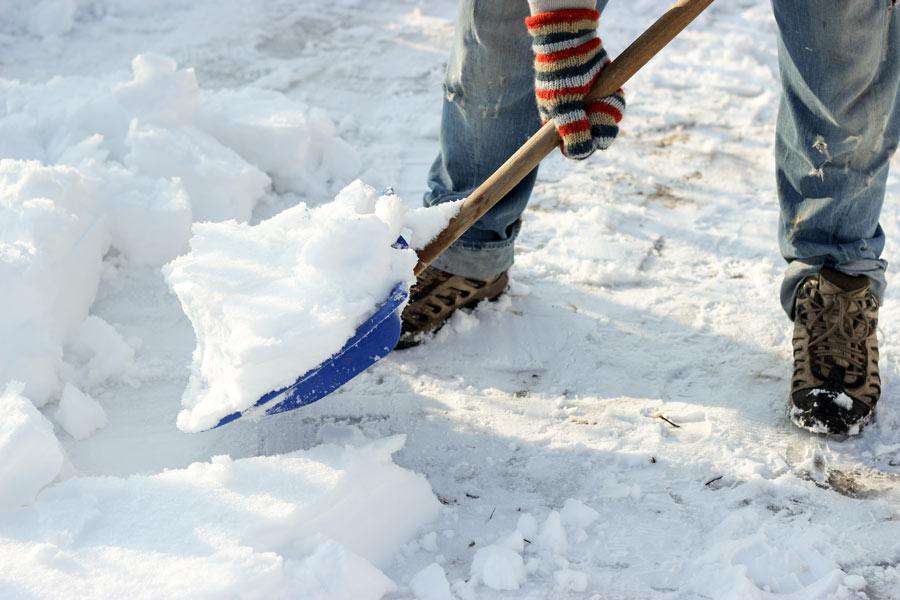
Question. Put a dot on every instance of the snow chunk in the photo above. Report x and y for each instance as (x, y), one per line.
(576, 514)
(552, 537)
(30, 455)
(429, 542)
(527, 526)
(499, 568)
(297, 146)
(514, 541)
(844, 401)
(272, 301)
(220, 184)
(79, 414)
(52, 241)
(431, 584)
(316, 525)
(149, 217)
(841, 399)
(427, 222)
(102, 352)
(159, 92)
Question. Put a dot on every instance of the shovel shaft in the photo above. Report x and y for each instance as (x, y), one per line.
(546, 139)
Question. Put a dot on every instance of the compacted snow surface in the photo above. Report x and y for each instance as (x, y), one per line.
(614, 427)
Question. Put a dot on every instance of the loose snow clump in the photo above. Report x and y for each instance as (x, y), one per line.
(30, 455)
(79, 414)
(53, 236)
(498, 567)
(431, 584)
(271, 301)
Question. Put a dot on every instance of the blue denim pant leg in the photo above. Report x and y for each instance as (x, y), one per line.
(838, 126)
(488, 112)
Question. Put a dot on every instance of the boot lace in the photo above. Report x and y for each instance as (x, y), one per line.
(839, 326)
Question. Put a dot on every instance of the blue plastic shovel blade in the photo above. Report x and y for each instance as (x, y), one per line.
(373, 340)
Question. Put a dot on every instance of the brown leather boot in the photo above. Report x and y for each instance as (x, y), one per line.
(437, 295)
(836, 384)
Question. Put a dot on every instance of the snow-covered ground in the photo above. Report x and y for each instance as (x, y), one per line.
(615, 427)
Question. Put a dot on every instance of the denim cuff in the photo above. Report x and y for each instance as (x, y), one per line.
(799, 270)
(477, 262)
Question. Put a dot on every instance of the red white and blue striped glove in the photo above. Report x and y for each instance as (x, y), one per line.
(568, 58)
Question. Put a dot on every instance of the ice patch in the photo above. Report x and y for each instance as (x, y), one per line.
(30, 455)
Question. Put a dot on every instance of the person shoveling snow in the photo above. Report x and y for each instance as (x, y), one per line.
(247, 355)
(835, 281)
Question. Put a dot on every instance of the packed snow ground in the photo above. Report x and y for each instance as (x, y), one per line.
(645, 287)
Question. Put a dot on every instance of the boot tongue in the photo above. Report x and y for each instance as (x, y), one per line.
(835, 282)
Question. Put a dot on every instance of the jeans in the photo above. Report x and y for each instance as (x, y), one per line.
(489, 111)
(838, 126)
(837, 129)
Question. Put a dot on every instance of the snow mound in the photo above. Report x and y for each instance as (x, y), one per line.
(98, 164)
(271, 301)
(30, 455)
(316, 525)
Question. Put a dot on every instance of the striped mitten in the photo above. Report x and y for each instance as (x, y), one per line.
(568, 57)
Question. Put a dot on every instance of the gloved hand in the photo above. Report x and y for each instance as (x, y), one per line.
(568, 58)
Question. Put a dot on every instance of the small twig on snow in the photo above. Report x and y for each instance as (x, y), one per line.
(675, 425)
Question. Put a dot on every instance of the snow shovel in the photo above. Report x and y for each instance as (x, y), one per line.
(379, 334)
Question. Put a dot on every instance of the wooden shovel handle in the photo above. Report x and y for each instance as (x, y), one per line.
(546, 139)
